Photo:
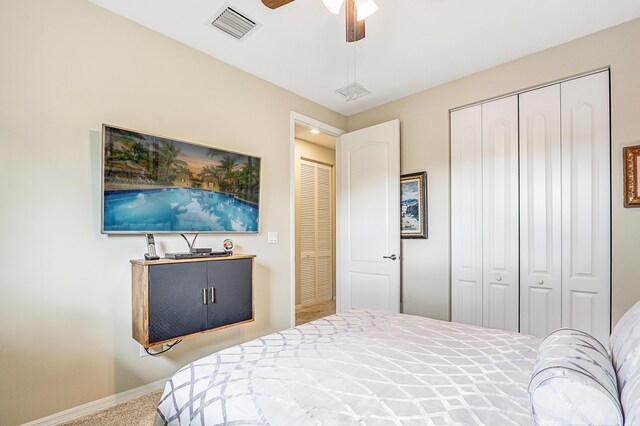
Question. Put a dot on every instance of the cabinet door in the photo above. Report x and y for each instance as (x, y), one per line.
(586, 194)
(176, 300)
(466, 215)
(231, 281)
(540, 211)
(500, 214)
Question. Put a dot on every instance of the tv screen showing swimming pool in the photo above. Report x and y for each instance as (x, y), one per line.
(153, 184)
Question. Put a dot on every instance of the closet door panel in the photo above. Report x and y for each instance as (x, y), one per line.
(500, 214)
(466, 215)
(586, 194)
(540, 211)
(324, 252)
(539, 302)
(307, 245)
(316, 233)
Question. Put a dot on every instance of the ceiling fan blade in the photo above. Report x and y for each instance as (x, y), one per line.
(274, 4)
(355, 28)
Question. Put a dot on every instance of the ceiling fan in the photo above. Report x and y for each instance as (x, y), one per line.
(357, 11)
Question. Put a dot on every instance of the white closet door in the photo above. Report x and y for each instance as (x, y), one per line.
(540, 211)
(324, 242)
(500, 213)
(307, 232)
(586, 238)
(316, 257)
(466, 215)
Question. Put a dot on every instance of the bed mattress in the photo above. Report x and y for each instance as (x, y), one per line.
(361, 367)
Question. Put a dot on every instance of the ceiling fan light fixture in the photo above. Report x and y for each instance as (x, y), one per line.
(353, 91)
(333, 6)
(365, 8)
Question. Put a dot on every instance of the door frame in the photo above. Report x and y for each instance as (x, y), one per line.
(297, 118)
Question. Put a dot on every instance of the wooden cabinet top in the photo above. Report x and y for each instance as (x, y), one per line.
(198, 259)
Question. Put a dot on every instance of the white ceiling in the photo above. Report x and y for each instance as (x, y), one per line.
(410, 45)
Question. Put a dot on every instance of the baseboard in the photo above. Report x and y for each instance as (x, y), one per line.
(95, 406)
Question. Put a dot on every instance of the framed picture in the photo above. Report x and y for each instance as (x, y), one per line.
(413, 205)
(631, 176)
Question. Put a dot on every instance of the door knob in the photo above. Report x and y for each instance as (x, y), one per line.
(540, 282)
(499, 278)
(392, 257)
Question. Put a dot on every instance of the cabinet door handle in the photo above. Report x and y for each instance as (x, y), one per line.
(213, 295)
(204, 296)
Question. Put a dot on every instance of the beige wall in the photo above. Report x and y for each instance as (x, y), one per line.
(65, 308)
(311, 151)
(425, 146)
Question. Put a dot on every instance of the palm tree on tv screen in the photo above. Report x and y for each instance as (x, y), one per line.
(168, 161)
(209, 171)
(129, 149)
(227, 167)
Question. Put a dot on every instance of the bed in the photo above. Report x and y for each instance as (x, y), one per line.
(360, 367)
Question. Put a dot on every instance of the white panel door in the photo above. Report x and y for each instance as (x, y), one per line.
(500, 251)
(316, 258)
(368, 246)
(540, 211)
(466, 215)
(586, 194)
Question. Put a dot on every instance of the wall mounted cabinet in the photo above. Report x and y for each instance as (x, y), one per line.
(173, 299)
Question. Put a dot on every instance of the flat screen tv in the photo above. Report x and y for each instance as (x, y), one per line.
(153, 184)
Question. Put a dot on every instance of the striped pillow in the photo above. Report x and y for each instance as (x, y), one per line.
(573, 382)
(630, 400)
(625, 354)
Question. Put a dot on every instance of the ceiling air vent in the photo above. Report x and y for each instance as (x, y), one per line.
(233, 23)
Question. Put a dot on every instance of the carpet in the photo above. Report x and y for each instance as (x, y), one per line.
(136, 412)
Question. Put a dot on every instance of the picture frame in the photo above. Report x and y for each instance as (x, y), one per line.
(413, 205)
(631, 160)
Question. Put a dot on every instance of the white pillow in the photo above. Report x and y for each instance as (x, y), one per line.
(625, 345)
(573, 382)
(630, 400)
(625, 356)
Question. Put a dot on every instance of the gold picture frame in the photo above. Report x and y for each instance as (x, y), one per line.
(631, 159)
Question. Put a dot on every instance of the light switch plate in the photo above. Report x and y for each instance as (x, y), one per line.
(272, 238)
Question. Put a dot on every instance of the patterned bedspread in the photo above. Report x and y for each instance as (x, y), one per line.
(359, 368)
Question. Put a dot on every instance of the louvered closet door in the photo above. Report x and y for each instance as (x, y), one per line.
(466, 215)
(586, 238)
(500, 214)
(316, 257)
(540, 211)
